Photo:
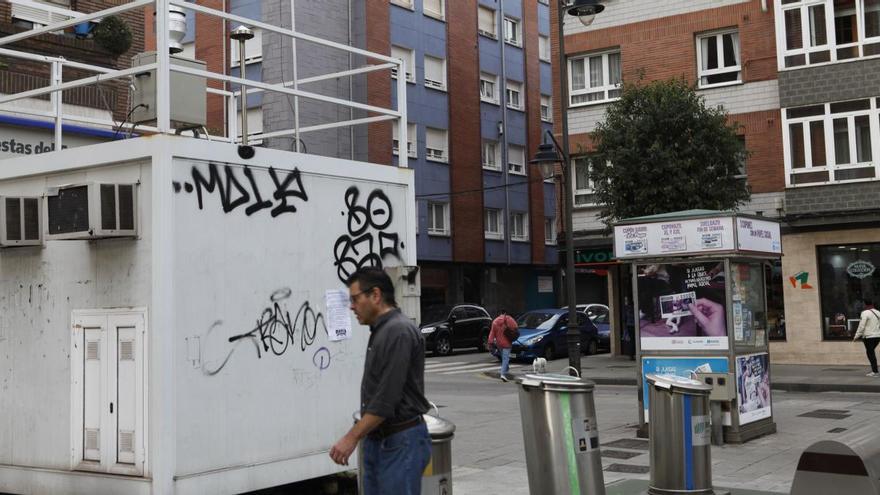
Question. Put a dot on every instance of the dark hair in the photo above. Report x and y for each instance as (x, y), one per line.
(868, 302)
(370, 278)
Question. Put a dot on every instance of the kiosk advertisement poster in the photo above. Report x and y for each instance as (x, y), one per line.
(682, 306)
(681, 366)
(753, 387)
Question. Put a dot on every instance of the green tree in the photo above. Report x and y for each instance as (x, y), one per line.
(661, 149)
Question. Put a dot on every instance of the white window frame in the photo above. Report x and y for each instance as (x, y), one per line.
(407, 4)
(441, 15)
(253, 52)
(495, 155)
(433, 153)
(490, 234)
(512, 31)
(431, 82)
(719, 45)
(548, 115)
(492, 79)
(523, 217)
(412, 137)
(831, 36)
(106, 324)
(409, 61)
(47, 13)
(493, 34)
(549, 231)
(831, 166)
(578, 161)
(605, 88)
(544, 50)
(516, 167)
(514, 91)
(432, 229)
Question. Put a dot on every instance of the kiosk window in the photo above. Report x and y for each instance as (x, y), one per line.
(847, 276)
(749, 317)
(775, 303)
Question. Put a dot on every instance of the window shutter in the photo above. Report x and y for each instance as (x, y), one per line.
(487, 21)
(435, 73)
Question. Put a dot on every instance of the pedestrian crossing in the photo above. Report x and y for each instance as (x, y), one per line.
(442, 367)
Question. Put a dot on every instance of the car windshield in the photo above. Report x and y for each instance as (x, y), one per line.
(433, 314)
(538, 319)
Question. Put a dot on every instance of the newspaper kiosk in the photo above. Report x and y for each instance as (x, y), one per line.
(700, 308)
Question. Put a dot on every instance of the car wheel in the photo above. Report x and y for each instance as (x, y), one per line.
(483, 344)
(592, 347)
(443, 345)
(549, 352)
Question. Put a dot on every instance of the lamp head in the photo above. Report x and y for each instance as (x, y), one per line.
(585, 10)
(241, 33)
(546, 158)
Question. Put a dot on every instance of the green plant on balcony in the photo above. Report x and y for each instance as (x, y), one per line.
(114, 35)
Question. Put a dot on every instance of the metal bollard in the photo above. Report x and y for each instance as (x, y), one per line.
(848, 464)
(561, 435)
(680, 431)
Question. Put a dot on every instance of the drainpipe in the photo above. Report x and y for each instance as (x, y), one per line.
(504, 165)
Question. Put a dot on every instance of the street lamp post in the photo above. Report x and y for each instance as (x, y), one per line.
(546, 159)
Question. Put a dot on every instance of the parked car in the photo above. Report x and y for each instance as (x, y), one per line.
(542, 333)
(455, 326)
(599, 315)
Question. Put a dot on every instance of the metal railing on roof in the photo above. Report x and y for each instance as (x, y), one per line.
(164, 68)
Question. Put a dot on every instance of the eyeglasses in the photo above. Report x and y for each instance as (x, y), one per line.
(353, 299)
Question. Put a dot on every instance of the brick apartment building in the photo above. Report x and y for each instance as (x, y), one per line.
(800, 77)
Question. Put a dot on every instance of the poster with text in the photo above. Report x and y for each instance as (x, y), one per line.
(681, 366)
(682, 306)
(753, 387)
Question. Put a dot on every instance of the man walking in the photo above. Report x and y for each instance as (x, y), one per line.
(504, 332)
(396, 445)
(869, 329)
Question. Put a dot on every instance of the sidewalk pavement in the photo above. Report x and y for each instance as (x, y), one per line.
(605, 369)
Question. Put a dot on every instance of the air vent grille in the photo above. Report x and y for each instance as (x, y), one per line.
(108, 206)
(92, 352)
(126, 207)
(93, 438)
(69, 210)
(13, 219)
(126, 350)
(126, 442)
(31, 219)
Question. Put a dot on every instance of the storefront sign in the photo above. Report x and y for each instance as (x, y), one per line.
(677, 237)
(860, 269)
(753, 387)
(681, 366)
(682, 306)
(597, 255)
(758, 235)
(18, 141)
(545, 284)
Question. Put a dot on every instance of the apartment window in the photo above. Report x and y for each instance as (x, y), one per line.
(831, 142)
(403, 3)
(516, 159)
(594, 78)
(514, 95)
(819, 31)
(411, 139)
(253, 50)
(435, 73)
(36, 17)
(408, 58)
(546, 110)
(544, 48)
(550, 231)
(487, 22)
(494, 222)
(438, 218)
(718, 59)
(583, 186)
(435, 144)
(489, 88)
(491, 155)
(519, 226)
(511, 31)
(435, 8)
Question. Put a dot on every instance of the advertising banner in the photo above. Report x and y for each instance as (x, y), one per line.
(682, 306)
(753, 387)
(758, 235)
(674, 238)
(681, 366)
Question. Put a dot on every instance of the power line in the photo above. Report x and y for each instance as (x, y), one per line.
(482, 189)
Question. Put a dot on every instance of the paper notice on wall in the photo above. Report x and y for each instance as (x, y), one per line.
(338, 314)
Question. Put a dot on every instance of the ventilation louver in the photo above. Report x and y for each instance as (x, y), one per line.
(20, 222)
(92, 211)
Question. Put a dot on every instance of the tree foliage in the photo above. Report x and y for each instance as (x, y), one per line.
(661, 149)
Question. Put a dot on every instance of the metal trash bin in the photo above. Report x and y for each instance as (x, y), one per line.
(680, 436)
(437, 477)
(848, 464)
(560, 434)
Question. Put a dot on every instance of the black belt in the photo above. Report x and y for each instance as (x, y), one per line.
(386, 430)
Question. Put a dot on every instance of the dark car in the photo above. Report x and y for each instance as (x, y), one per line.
(598, 314)
(455, 326)
(542, 333)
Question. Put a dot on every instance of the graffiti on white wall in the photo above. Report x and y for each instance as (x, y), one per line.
(367, 240)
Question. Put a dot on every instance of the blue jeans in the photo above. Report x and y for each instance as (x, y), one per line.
(505, 361)
(394, 465)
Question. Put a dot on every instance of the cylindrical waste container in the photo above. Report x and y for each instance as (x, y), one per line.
(437, 477)
(560, 434)
(680, 436)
